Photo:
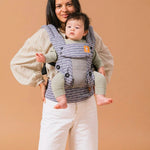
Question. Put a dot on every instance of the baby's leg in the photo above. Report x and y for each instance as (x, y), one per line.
(59, 91)
(102, 100)
(100, 89)
(62, 102)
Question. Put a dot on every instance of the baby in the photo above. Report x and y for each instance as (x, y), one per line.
(76, 29)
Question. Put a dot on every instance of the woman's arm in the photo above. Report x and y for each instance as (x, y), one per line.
(105, 55)
(24, 66)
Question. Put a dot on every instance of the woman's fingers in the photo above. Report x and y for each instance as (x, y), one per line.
(43, 94)
(102, 71)
(43, 89)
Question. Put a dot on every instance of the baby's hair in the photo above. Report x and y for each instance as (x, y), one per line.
(80, 16)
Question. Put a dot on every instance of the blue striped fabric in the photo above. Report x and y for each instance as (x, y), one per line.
(75, 50)
(65, 53)
(73, 94)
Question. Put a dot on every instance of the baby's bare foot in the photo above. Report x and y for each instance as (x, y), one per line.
(102, 100)
(62, 102)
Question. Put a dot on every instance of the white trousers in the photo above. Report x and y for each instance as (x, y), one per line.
(78, 121)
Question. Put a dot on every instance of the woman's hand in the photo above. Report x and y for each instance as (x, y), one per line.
(43, 89)
(101, 70)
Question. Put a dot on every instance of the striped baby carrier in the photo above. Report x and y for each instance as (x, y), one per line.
(75, 59)
(75, 63)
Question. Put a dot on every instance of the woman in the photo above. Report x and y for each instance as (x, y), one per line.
(79, 119)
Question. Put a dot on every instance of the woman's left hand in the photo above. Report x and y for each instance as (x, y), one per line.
(101, 70)
(43, 89)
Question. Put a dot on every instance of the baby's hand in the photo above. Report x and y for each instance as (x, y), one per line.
(102, 70)
(40, 57)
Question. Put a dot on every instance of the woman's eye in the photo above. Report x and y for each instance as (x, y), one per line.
(69, 4)
(58, 6)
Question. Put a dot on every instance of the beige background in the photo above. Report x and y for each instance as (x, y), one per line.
(124, 26)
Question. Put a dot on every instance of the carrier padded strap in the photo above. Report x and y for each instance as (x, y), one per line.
(55, 37)
(58, 41)
(90, 37)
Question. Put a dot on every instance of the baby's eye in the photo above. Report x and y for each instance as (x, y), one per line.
(68, 26)
(77, 27)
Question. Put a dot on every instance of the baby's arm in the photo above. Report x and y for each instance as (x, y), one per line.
(40, 57)
(51, 56)
(97, 62)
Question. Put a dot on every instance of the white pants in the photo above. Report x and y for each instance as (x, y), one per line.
(79, 121)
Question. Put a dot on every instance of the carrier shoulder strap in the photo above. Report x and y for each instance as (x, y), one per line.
(55, 37)
(58, 41)
(90, 38)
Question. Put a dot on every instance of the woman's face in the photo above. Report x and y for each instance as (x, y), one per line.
(63, 8)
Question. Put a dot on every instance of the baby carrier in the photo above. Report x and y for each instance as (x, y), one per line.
(75, 59)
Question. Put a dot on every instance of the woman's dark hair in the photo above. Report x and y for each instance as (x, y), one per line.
(51, 17)
(80, 16)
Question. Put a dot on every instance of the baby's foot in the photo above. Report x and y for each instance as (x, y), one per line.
(102, 100)
(62, 102)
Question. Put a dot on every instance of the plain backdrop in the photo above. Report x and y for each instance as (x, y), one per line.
(124, 26)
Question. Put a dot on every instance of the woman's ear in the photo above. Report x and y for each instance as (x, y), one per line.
(85, 33)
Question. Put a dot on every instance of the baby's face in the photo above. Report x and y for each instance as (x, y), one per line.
(75, 29)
